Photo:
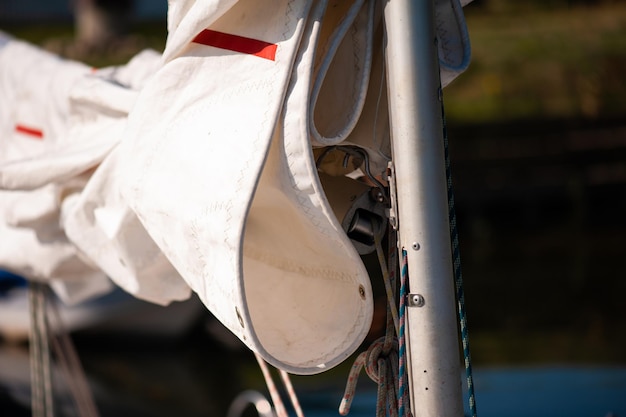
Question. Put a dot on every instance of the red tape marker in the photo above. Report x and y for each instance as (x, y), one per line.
(237, 43)
(36, 133)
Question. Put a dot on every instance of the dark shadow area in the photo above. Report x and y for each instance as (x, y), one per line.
(541, 207)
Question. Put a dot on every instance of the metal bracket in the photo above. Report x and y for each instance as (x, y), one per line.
(415, 300)
(392, 212)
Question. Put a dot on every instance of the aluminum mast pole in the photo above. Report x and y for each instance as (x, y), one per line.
(434, 366)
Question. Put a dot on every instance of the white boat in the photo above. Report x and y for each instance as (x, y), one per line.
(116, 313)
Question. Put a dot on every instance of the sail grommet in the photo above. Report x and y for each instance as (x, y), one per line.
(362, 292)
(239, 317)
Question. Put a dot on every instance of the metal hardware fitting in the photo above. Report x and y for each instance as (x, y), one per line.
(393, 211)
(416, 300)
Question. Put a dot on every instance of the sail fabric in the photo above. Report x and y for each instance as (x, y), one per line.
(196, 170)
(202, 171)
(348, 101)
(34, 111)
(453, 44)
(102, 226)
(58, 120)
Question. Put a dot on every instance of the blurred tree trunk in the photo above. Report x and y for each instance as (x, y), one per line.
(98, 22)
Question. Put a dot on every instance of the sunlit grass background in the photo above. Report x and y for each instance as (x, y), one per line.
(529, 64)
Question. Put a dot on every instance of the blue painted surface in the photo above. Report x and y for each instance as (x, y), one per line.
(9, 281)
(554, 391)
(551, 391)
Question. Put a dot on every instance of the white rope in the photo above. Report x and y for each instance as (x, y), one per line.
(41, 384)
(69, 363)
(278, 403)
(364, 73)
(274, 394)
(292, 393)
(42, 338)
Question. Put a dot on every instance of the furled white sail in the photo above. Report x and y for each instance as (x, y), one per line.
(196, 170)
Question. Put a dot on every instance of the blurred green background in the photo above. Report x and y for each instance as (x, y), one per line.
(542, 59)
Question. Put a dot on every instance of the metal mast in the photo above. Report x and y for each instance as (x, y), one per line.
(418, 157)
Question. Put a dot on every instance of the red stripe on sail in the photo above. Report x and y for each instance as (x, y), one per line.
(237, 43)
(36, 133)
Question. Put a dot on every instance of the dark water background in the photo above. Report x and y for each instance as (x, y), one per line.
(541, 210)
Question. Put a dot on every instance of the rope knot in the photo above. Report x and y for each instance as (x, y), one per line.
(380, 361)
(377, 355)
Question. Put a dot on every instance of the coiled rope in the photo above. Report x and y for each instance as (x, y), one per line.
(384, 359)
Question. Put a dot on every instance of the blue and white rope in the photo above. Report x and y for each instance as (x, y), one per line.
(403, 405)
(458, 276)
